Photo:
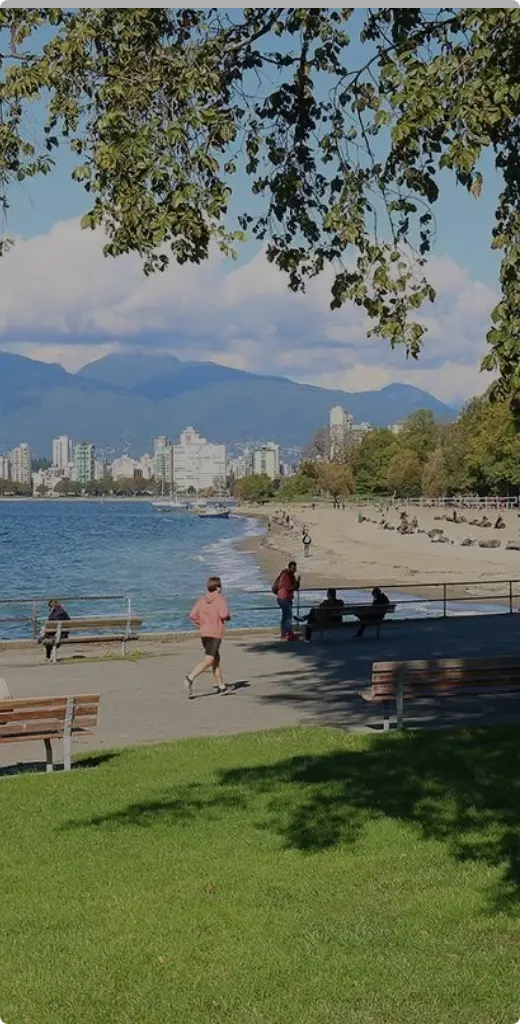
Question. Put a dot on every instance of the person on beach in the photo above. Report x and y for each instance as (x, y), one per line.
(380, 604)
(306, 541)
(210, 614)
(285, 587)
(57, 613)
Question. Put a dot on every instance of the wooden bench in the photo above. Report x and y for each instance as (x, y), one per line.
(394, 682)
(124, 628)
(48, 719)
(337, 618)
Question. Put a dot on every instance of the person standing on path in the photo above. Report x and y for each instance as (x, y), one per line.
(306, 541)
(210, 614)
(285, 587)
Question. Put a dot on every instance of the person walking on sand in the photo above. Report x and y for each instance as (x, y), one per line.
(285, 587)
(306, 541)
(210, 614)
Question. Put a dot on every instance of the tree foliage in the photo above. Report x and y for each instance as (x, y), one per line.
(336, 480)
(163, 107)
(253, 488)
(404, 474)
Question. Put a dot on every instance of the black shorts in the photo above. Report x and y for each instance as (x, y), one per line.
(211, 646)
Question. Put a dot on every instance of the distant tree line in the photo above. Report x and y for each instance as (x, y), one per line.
(477, 454)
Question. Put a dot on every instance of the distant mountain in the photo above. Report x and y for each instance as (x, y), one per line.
(123, 401)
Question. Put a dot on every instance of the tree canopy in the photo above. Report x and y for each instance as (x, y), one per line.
(343, 120)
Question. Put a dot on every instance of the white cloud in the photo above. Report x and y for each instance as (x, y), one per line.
(59, 295)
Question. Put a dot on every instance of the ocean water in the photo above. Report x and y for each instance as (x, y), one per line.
(122, 550)
(125, 551)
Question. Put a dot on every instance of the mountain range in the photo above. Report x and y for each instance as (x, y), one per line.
(121, 402)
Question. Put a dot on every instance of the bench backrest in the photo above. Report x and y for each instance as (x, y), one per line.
(438, 676)
(121, 622)
(367, 609)
(47, 716)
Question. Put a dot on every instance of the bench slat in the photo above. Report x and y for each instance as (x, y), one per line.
(12, 735)
(108, 622)
(46, 714)
(52, 702)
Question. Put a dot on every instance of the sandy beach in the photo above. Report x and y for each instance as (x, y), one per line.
(346, 552)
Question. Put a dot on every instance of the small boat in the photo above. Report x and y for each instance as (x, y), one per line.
(214, 513)
(170, 506)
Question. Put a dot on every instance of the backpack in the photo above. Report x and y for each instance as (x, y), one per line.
(276, 585)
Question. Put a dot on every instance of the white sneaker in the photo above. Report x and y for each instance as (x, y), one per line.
(188, 685)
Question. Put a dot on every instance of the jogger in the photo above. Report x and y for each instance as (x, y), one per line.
(209, 614)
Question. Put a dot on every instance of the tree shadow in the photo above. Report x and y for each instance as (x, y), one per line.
(323, 681)
(461, 789)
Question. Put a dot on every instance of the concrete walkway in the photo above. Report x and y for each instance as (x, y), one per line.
(143, 701)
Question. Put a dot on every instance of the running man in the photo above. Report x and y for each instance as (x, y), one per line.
(209, 615)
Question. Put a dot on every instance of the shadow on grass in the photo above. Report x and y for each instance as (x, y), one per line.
(461, 789)
(36, 767)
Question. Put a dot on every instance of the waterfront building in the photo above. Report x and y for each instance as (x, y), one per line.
(163, 461)
(340, 426)
(266, 461)
(84, 462)
(20, 464)
(197, 463)
(4, 467)
(125, 468)
(62, 454)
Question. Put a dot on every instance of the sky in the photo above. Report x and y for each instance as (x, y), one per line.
(61, 300)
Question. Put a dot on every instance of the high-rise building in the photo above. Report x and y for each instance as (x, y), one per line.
(197, 463)
(266, 460)
(84, 462)
(340, 427)
(4, 467)
(163, 460)
(20, 464)
(62, 455)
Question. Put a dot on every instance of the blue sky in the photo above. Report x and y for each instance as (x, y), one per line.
(60, 300)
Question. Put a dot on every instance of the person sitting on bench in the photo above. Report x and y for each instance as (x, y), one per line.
(380, 604)
(57, 613)
(333, 606)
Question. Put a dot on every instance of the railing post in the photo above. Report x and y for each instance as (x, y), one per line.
(511, 609)
(445, 600)
(35, 620)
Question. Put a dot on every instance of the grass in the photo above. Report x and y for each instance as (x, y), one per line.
(294, 877)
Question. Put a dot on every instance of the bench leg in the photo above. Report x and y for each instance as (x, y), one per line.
(49, 763)
(67, 753)
(54, 655)
(123, 648)
(386, 717)
(67, 735)
(399, 702)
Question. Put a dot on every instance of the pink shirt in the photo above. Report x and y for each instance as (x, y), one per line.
(209, 615)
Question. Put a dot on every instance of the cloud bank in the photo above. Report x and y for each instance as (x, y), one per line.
(62, 301)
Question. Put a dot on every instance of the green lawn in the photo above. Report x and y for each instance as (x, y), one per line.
(294, 877)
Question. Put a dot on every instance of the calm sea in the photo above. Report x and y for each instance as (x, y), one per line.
(161, 561)
(123, 550)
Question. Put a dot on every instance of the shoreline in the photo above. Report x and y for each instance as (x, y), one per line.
(349, 554)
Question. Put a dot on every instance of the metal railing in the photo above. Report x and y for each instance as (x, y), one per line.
(38, 608)
(258, 608)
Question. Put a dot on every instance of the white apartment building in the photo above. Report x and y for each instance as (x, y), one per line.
(62, 454)
(20, 464)
(125, 468)
(4, 467)
(197, 463)
(266, 460)
(242, 466)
